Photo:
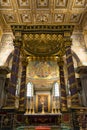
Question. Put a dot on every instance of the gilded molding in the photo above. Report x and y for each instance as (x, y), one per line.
(43, 44)
(42, 28)
(67, 43)
(17, 42)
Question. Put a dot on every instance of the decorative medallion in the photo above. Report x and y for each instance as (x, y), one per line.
(43, 17)
(10, 18)
(26, 17)
(59, 17)
(75, 18)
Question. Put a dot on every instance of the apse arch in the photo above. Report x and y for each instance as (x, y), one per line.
(76, 58)
(9, 60)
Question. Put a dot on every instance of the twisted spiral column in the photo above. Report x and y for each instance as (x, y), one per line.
(63, 88)
(71, 74)
(14, 72)
(23, 86)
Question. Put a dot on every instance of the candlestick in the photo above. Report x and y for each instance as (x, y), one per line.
(43, 107)
(33, 107)
(26, 106)
(30, 106)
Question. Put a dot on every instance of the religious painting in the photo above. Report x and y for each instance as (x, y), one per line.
(43, 102)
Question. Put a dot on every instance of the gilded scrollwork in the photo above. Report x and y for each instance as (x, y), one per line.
(44, 44)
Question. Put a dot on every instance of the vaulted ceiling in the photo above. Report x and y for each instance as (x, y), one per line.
(42, 12)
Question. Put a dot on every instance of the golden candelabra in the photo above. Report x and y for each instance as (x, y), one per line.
(56, 106)
(29, 107)
(43, 108)
(26, 106)
(33, 111)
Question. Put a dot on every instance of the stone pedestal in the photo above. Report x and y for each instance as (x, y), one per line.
(82, 70)
(3, 73)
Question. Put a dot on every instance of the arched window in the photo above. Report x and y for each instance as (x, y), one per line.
(56, 90)
(29, 90)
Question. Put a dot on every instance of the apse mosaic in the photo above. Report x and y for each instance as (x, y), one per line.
(42, 70)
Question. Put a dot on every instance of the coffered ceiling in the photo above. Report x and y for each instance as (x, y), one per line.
(42, 12)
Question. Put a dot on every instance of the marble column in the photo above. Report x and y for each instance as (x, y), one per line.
(22, 98)
(82, 71)
(14, 71)
(3, 74)
(62, 87)
(71, 74)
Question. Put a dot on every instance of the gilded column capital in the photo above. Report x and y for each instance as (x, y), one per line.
(68, 42)
(18, 35)
(18, 39)
(17, 42)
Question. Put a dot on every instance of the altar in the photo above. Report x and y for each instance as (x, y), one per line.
(47, 119)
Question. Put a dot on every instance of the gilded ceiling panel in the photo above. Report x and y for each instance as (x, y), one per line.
(60, 3)
(42, 12)
(10, 18)
(42, 3)
(24, 3)
(59, 17)
(5, 3)
(42, 17)
(79, 3)
(26, 17)
(75, 18)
